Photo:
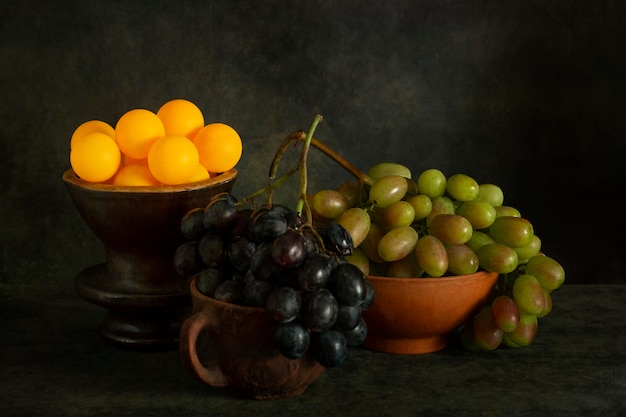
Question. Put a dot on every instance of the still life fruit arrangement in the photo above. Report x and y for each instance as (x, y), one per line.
(309, 264)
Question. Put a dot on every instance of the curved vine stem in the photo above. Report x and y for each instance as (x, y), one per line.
(358, 174)
(302, 165)
(308, 139)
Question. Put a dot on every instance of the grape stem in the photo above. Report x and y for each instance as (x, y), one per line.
(302, 165)
(308, 140)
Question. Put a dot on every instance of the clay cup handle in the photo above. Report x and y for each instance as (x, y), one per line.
(192, 327)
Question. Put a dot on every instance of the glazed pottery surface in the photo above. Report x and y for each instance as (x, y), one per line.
(137, 283)
(232, 347)
(418, 315)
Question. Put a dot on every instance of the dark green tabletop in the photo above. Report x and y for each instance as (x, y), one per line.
(54, 363)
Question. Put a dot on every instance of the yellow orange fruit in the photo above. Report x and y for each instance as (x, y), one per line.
(135, 175)
(181, 117)
(136, 131)
(173, 159)
(200, 174)
(92, 126)
(219, 147)
(95, 157)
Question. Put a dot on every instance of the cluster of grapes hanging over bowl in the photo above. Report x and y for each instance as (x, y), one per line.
(273, 257)
(435, 226)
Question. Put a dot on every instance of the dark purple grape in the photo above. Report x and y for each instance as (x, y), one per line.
(262, 264)
(255, 293)
(330, 348)
(284, 303)
(314, 272)
(241, 223)
(319, 310)
(289, 249)
(357, 335)
(220, 214)
(279, 208)
(292, 339)
(240, 251)
(211, 248)
(208, 280)
(187, 260)
(225, 195)
(369, 297)
(337, 239)
(230, 291)
(348, 317)
(293, 220)
(348, 284)
(191, 225)
(312, 244)
(267, 225)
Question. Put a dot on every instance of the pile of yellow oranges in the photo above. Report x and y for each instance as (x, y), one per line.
(170, 147)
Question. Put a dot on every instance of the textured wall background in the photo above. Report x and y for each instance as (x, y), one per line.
(525, 94)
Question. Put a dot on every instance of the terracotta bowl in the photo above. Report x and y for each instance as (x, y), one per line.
(231, 347)
(418, 315)
(139, 227)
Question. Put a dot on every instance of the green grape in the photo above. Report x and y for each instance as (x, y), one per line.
(478, 239)
(357, 222)
(503, 211)
(524, 253)
(548, 271)
(451, 228)
(511, 231)
(487, 334)
(505, 313)
(432, 183)
(422, 205)
(388, 190)
(383, 169)
(496, 257)
(462, 187)
(400, 213)
(397, 243)
(411, 187)
(360, 260)
(524, 334)
(491, 194)
(330, 203)
(479, 213)
(407, 267)
(371, 241)
(528, 295)
(441, 205)
(461, 260)
(431, 255)
(548, 304)
(352, 191)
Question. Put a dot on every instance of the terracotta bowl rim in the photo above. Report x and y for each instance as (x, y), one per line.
(430, 280)
(69, 176)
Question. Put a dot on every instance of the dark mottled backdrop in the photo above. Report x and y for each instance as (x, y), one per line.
(525, 94)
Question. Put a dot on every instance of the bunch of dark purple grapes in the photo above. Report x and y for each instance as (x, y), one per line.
(267, 258)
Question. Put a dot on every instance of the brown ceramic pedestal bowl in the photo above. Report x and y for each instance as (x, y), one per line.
(231, 347)
(418, 315)
(146, 299)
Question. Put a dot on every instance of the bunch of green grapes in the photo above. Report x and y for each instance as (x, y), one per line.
(436, 226)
